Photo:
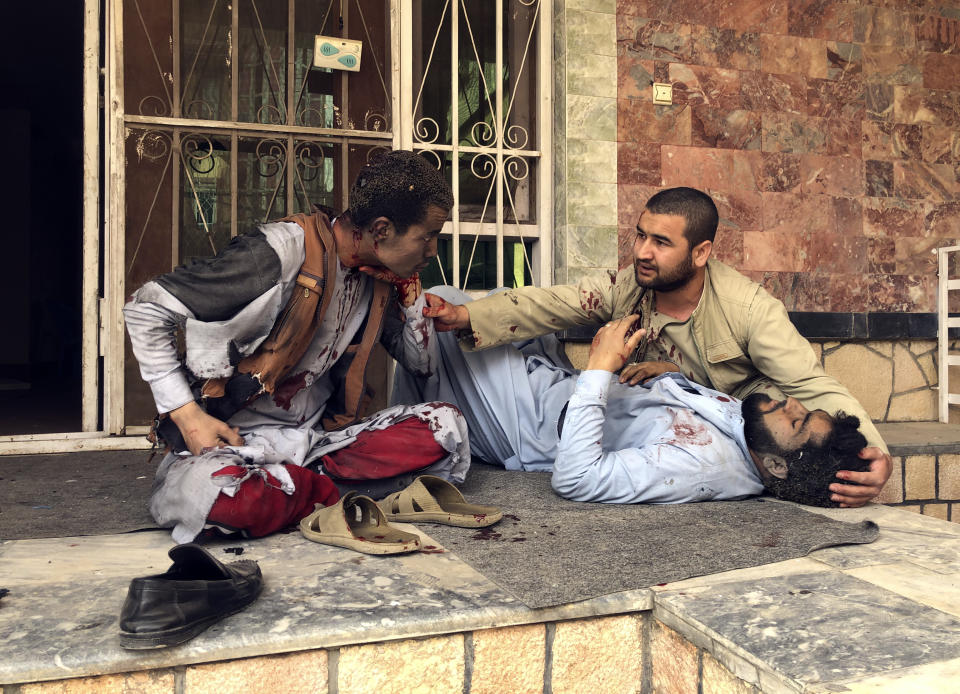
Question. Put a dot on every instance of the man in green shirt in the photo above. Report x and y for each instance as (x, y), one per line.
(702, 318)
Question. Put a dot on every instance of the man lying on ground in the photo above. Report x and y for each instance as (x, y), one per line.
(702, 318)
(667, 441)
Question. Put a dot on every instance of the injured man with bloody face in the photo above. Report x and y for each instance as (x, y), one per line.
(667, 441)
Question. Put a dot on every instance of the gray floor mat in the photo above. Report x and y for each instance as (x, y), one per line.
(549, 551)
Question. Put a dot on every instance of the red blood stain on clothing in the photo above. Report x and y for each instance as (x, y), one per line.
(723, 399)
(513, 328)
(476, 339)
(590, 301)
(688, 430)
(283, 395)
(479, 517)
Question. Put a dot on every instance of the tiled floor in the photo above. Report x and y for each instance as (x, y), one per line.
(878, 617)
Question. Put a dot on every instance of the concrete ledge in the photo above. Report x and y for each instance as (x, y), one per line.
(920, 438)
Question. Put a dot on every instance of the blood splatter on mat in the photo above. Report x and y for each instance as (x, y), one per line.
(550, 551)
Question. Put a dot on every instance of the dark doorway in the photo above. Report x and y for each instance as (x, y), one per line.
(41, 70)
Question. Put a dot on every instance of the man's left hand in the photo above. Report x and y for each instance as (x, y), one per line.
(408, 288)
(613, 344)
(866, 485)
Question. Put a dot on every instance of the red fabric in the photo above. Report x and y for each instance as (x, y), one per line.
(403, 447)
(260, 507)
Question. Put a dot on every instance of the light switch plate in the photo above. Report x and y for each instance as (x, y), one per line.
(336, 53)
(662, 93)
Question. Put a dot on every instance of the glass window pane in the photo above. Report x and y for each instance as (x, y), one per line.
(204, 195)
(262, 59)
(205, 59)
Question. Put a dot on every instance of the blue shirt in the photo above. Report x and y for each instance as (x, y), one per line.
(666, 441)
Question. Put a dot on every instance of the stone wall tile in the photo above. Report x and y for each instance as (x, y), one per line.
(728, 246)
(590, 32)
(793, 55)
(942, 220)
(711, 169)
(868, 375)
(917, 406)
(950, 476)
(638, 162)
(881, 256)
(939, 145)
(593, 246)
(769, 16)
(914, 255)
(892, 65)
(730, 48)
(883, 26)
(912, 104)
(634, 76)
(780, 172)
(592, 204)
(146, 682)
(591, 117)
(625, 238)
(673, 660)
(891, 140)
(844, 136)
(831, 175)
(771, 251)
(631, 201)
(633, 7)
(641, 121)
(907, 373)
(843, 60)
(592, 161)
(880, 101)
(716, 679)
(892, 217)
(892, 492)
(878, 178)
(428, 666)
(710, 86)
(304, 672)
(740, 211)
(940, 71)
(597, 655)
(791, 212)
(784, 132)
(652, 39)
(592, 75)
(728, 129)
(822, 19)
(508, 660)
(940, 511)
(920, 475)
(845, 99)
(919, 180)
(771, 93)
(938, 34)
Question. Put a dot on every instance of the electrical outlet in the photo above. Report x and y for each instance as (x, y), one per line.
(662, 93)
(336, 53)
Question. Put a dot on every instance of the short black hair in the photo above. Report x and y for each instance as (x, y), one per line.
(398, 185)
(695, 206)
(812, 468)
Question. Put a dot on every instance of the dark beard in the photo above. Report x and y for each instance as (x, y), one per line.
(755, 432)
(677, 279)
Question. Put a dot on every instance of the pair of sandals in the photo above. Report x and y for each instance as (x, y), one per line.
(358, 522)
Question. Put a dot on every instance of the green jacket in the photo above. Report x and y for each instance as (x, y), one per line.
(743, 334)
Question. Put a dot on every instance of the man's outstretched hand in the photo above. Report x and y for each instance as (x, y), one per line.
(614, 343)
(201, 431)
(866, 485)
(645, 370)
(446, 316)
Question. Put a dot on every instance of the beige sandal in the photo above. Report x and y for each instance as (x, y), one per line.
(369, 533)
(434, 500)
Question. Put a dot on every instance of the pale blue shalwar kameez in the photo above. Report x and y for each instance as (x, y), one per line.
(668, 441)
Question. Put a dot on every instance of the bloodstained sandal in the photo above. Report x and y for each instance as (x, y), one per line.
(355, 522)
(431, 499)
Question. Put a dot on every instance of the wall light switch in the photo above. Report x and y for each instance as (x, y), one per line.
(662, 93)
(336, 53)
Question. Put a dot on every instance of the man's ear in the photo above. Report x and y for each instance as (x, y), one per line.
(774, 464)
(381, 228)
(701, 253)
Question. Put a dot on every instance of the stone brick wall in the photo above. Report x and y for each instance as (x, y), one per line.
(927, 484)
(827, 131)
(626, 653)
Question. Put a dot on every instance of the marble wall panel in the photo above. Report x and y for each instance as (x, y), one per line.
(821, 19)
(729, 48)
(770, 93)
(780, 172)
(855, 108)
(844, 59)
(638, 162)
(769, 16)
(891, 140)
(825, 175)
(892, 65)
(793, 55)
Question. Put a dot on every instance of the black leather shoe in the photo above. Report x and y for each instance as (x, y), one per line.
(194, 593)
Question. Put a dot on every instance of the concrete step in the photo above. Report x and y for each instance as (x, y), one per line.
(920, 438)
